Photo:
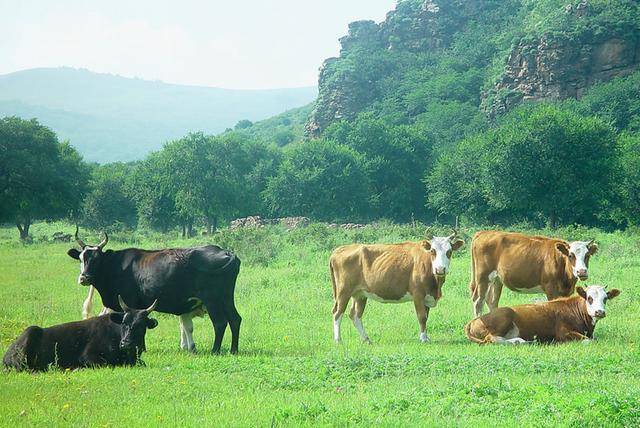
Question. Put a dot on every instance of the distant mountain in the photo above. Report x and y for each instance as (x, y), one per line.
(112, 118)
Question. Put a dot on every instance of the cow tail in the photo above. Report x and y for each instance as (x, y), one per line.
(467, 332)
(333, 280)
(472, 282)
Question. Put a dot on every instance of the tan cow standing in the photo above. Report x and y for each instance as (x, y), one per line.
(390, 273)
(561, 320)
(525, 264)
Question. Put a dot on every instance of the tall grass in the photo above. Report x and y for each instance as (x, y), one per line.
(290, 373)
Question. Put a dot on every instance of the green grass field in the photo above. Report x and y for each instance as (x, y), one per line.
(290, 373)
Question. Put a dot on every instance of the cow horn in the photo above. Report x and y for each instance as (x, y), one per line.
(152, 307)
(453, 235)
(124, 306)
(427, 233)
(78, 240)
(590, 242)
(104, 241)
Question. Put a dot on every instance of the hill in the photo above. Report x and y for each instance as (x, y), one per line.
(432, 61)
(112, 118)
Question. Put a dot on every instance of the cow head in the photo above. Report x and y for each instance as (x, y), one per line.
(90, 257)
(578, 254)
(133, 325)
(440, 249)
(596, 297)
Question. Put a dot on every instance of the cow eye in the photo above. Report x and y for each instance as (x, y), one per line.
(449, 254)
(590, 299)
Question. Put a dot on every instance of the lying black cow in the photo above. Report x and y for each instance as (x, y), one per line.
(116, 339)
(185, 281)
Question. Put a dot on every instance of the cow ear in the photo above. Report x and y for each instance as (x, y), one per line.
(581, 292)
(457, 244)
(74, 254)
(152, 323)
(426, 245)
(613, 293)
(593, 248)
(116, 317)
(563, 248)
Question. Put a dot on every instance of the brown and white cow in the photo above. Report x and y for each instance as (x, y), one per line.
(560, 320)
(390, 273)
(525, 264)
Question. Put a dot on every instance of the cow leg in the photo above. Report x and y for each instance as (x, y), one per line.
(357, 309)
(219, 321)
(186, 333)
(494, 295)
(480, 294)
(87, 306)
(338, 309)
(566, 335)
(423, 314)
(234, 320)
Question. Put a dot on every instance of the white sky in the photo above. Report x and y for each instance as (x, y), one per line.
(229, 44)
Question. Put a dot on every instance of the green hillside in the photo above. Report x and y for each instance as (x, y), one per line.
(111, 118)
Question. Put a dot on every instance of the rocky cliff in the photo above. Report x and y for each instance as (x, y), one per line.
(413, 27)
(522, 50)
(556, 68)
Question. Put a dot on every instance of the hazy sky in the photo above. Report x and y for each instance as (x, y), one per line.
(230, 44)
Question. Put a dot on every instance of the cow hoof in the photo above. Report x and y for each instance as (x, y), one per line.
(424, 338)
(586, 341)
(367, 340)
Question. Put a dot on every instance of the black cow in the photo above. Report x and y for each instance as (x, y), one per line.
(116, 339)
(185, 281)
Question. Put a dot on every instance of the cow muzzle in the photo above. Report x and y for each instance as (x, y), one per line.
(440, 271)
(600, 314)
(84, 280)
(582, 274)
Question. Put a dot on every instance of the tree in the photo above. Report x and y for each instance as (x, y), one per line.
(551, 162)
(629, 183)
(108, 204)
(543, 162)
(39, 177)
(202, 178)
(243, 124)
(455, 183)
(395, 159)
(617, 102)
(321, 179)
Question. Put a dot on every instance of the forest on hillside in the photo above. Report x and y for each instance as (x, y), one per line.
(449, 108)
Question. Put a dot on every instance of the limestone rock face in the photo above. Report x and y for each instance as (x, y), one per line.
(556, 70)
(415, 27)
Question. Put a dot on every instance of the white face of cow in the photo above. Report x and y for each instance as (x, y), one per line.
(596, 298)
(579, 251)
(441, 249)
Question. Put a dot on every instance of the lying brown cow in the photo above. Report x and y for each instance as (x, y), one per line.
(525, 264)
(560, 320)
(390, 273)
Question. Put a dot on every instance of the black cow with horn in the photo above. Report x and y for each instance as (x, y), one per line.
(116, 339)
(185, 281)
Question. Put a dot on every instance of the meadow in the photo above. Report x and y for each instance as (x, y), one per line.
(290, 373)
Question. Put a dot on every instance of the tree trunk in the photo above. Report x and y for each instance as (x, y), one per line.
(553, 220)
(24, 229)
(190, 229)
(184, 231)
